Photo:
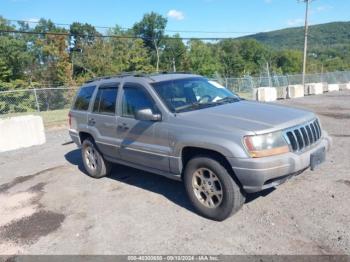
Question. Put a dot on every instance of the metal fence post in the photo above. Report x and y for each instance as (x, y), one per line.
(36, 100)
(251, 83)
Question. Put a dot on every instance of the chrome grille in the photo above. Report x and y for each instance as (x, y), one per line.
(304, 136)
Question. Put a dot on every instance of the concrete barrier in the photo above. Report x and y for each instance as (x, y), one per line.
(325, 87)
(282, 92)
(22, 131)
(295, 91)
(345, 86)
(314, 88)
(333, 87)
(265, 94)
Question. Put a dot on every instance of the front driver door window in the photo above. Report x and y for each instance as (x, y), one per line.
(135, 98)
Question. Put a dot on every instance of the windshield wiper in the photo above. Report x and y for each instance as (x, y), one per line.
(228, 99)
(194, 105)
(197, 105)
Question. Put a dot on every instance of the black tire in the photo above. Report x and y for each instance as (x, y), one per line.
(102, 167)
(232, 197)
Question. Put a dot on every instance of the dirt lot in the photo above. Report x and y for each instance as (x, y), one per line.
(49, 206)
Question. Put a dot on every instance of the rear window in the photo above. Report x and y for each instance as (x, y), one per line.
(105, 100)
(83, 98)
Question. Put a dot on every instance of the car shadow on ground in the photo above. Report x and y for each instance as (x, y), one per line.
(251, 197)
(171, 189)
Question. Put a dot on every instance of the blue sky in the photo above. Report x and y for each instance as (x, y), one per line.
(188, 15)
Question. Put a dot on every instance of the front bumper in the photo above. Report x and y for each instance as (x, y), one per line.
(257, 174)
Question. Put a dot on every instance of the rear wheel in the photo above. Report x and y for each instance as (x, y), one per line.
(211, 189)
(94, 163)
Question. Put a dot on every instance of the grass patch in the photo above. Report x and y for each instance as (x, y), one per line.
(246, 95)
(52, 119)
(55, 118)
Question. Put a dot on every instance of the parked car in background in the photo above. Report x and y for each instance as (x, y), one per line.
(187, 128)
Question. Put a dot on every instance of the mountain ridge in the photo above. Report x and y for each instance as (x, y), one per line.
(321, 36)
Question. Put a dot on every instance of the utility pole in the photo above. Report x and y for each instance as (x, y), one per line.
(174, 65)
(306, 36)
(268, 74)
(72, 64)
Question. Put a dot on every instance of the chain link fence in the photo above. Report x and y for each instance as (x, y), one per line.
(57, 98)
(35, 100)
(246, 84)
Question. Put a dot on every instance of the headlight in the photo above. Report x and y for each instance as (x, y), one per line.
(266, 145)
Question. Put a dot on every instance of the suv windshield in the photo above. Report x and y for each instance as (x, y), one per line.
(192, 93)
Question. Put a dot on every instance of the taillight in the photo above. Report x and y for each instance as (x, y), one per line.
(70, 120)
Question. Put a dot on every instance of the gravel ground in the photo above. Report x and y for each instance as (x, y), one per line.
(49, 206)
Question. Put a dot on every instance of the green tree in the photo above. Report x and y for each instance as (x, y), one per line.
(113, 56)
(138, 57)
(201, 58)
(5, 25)
(335, 64)
(230, 58)
(96, 59)
(14, 58)
(255, 56)
(288, 61)
(44, 26)
(55, 63)
(151, 30)
(173, 53)
(82, 34)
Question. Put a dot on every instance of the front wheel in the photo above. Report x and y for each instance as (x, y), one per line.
(94, 163)
(211, 189)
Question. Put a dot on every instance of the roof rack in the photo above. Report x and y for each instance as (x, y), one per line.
(135, 74)
(171, 72)
(123, 74)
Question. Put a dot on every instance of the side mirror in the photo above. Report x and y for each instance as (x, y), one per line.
(147, 115)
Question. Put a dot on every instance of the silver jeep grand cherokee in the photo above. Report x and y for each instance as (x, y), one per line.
(185, 127)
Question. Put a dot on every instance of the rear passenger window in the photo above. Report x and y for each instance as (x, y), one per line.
(105, 100)
(83, 98)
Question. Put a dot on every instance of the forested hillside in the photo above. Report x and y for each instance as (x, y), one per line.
(323, 36)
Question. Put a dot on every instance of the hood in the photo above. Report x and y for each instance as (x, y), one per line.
(247, 116)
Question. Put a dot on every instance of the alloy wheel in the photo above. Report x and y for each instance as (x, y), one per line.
(207, 187)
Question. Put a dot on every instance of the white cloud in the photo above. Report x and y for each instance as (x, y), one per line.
(322, 8)
(268, 1)
(33, 20)
(175, 14)
(295, 22)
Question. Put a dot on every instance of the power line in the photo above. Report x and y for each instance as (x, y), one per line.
(128, 28)
(59, 24)
(112, 36)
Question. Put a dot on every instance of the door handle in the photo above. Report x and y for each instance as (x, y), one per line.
(109, 125)
(91, 122)
(123, 126)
